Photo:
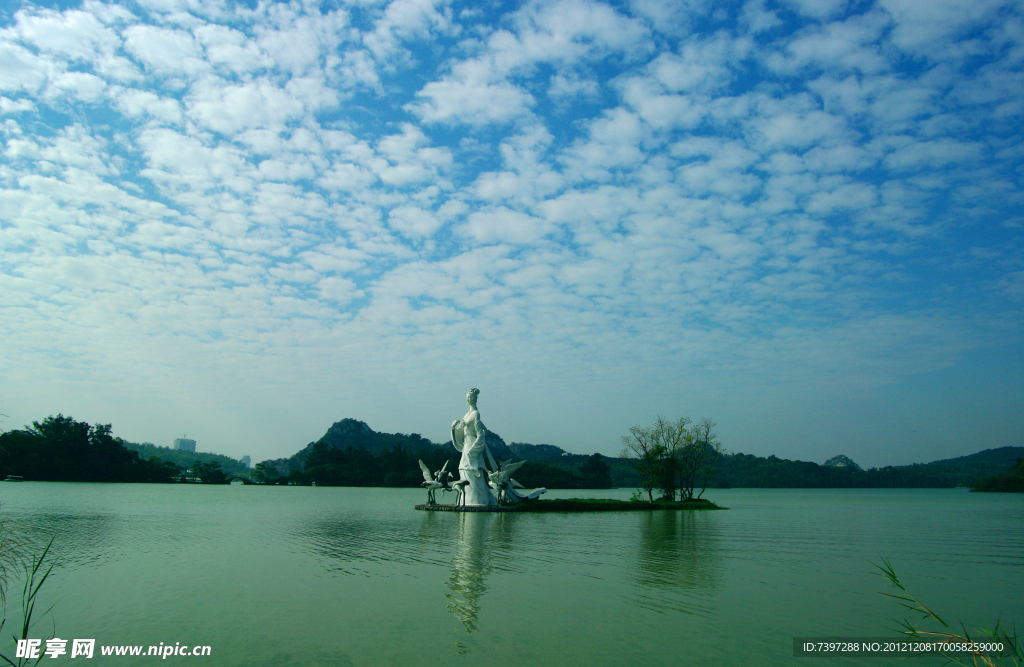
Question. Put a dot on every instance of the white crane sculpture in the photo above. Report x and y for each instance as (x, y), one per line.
(433, 482)
(501, 479)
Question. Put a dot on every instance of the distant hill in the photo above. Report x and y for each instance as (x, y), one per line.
(1010, 482)
(841, 461)
(185, 459)
(964, 470)
(357, 435)
(748, 471)
(553, 467)
(522, 450)
(744, 470)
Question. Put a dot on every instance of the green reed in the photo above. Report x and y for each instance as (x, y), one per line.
(35, 577)
(998, 633)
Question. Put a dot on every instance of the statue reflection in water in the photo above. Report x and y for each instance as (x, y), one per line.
(484, 542)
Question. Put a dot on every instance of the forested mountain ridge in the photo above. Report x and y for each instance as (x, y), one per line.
(748, 471)
(350, 453)
(553, 467)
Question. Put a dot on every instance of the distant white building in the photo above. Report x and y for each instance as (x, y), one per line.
(185, 445)
(246, 461)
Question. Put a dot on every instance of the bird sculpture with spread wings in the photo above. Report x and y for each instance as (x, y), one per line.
(433, 482)
(501, 479)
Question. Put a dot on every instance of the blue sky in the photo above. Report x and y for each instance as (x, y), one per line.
(245, 221)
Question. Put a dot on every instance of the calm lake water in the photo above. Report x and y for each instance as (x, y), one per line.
(345, 576)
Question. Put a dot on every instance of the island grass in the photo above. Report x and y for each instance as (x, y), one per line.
(609, 505)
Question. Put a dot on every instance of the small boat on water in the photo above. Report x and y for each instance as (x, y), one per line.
(14, 478)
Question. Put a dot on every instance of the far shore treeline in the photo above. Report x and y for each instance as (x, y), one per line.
(352, 454)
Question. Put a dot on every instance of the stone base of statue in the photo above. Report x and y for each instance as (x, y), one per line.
(467, 508)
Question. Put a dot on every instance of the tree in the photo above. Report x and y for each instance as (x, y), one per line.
(264, 473)
(209, 472)
(644, 449)
(672, 457)
(703, 456)
(595, 473)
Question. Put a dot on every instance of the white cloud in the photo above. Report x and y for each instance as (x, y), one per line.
(184, 162)
(471, 101)
(297, 43)
(820, 9)
(790, 126)
(231, 48)
(337, 290)
(563, 87)
(481, 90)
(504, 225)
(20, 69)
(77, 35)
(8, 105)
(413, 222)
(163, 51)
(851, 44)
(231, 108)
(933, 154)
(757, 18)
(567, 31)
(141, 103)
(612, 197)
(928, 26)
(663, 111)
(406, 20)
(85, 87)
(614, 142)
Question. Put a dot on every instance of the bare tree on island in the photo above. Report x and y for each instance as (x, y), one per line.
(705, 450)
(673, 457)
(645, 454)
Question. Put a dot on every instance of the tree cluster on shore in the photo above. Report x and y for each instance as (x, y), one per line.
(1010, 482)
(61, 449)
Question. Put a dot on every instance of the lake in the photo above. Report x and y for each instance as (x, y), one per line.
(353, 576)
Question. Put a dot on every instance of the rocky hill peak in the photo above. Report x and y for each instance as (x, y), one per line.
(841, 461)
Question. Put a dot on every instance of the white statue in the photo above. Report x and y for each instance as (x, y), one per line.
(476, 480)
(469, 437)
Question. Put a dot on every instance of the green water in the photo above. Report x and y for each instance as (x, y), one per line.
(344, 576)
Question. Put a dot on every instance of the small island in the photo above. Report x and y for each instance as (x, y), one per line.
(583, 505)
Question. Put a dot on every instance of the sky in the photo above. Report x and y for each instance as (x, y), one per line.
(242, 222)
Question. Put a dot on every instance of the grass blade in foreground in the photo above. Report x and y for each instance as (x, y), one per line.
(909, 601)
(33, 582)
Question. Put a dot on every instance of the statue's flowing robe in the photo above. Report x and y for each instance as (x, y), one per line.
(469, 438)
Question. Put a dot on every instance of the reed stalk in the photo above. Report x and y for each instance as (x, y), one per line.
(947, 634)
(35, 577)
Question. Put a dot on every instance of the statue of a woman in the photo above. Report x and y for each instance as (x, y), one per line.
(469, 437)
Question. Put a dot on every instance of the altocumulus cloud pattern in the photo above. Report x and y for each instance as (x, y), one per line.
(247, 220)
